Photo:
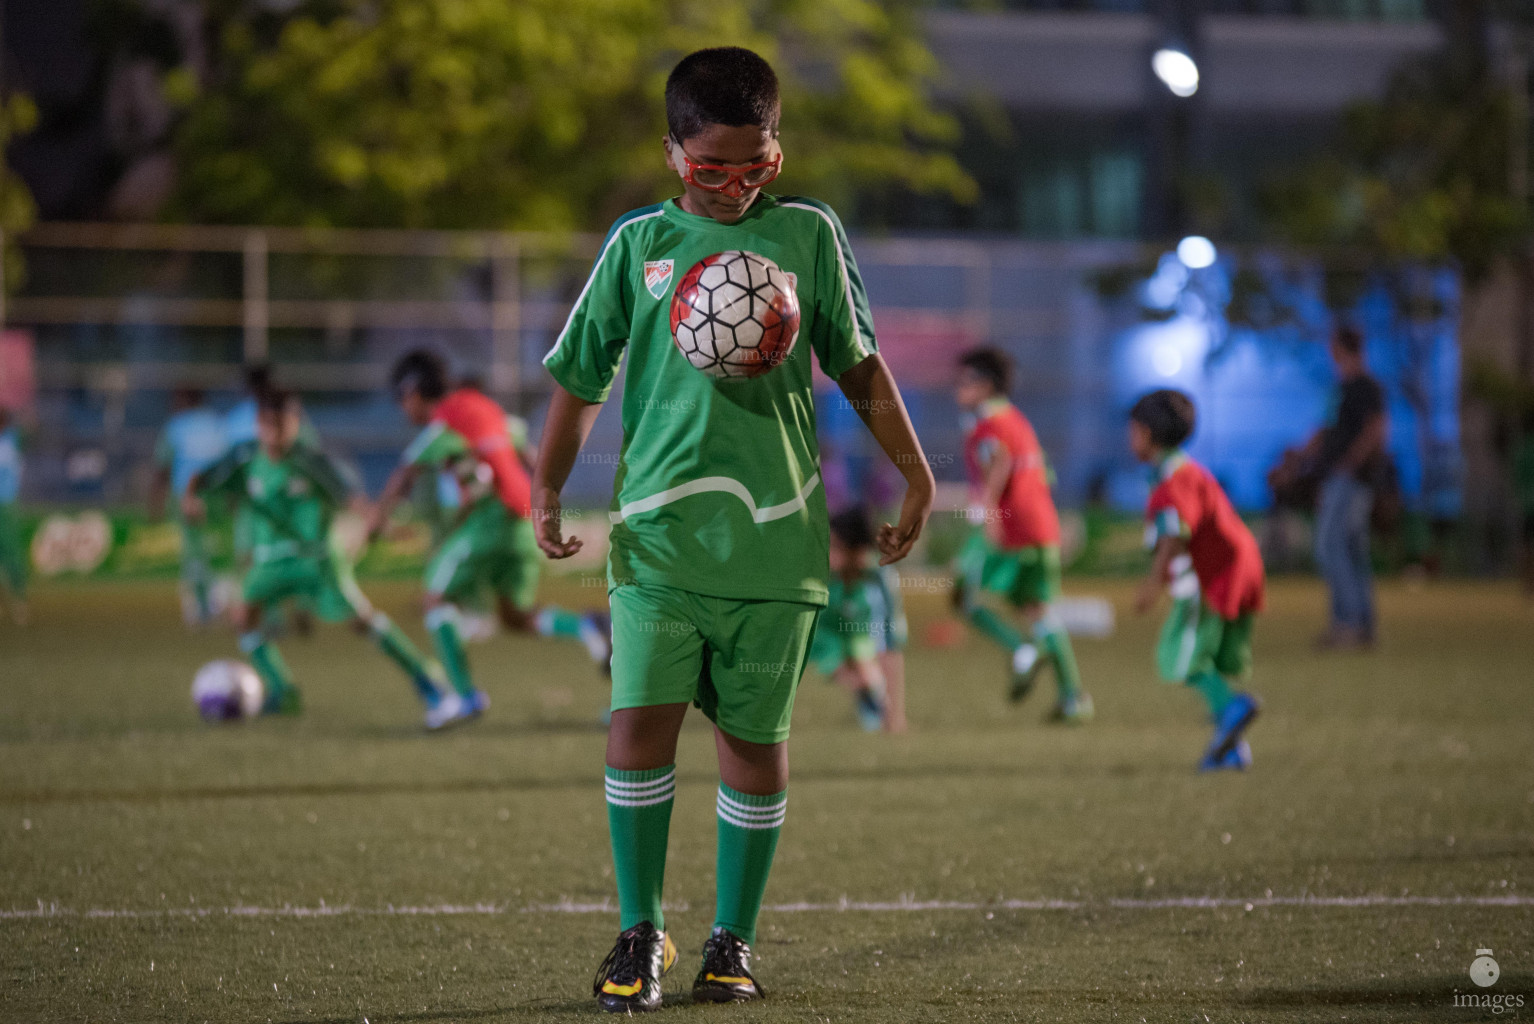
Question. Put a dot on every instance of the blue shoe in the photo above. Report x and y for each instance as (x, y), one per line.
(450, 709)
(1238, 759)
(870, 711)
(479, 703)
(1238, 715)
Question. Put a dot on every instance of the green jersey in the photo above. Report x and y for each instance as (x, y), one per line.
(291, 501)
(465, 481)
(718, 486)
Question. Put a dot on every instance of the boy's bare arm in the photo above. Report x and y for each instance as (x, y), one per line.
(565, 430)
(1167, 548)
(399, 485)
(872, 391)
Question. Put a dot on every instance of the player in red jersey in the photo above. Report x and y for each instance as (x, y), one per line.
(1015, 551)
(1208, 640)
(466, 441)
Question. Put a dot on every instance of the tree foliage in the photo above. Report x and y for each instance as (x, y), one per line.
(537, 114)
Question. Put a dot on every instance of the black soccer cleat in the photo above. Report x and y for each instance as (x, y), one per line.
(629, 979)
(725, 976)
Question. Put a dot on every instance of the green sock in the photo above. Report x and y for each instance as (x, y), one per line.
(995, 627)
(394, 643)
(1213, 688)
(442, 621)
(748, 836)
(1056, 642)
(557, 622)
(639, 822)
(268, 663)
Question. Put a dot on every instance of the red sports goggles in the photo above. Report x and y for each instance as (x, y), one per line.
(731, 180)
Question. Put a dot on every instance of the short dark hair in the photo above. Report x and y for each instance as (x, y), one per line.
(275, 400)
(853, 528)
(1348, 338)
(727, 85)
(421, 371)
(991, 363)
(1168, 414)
(258, 378)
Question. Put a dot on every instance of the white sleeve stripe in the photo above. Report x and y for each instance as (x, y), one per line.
(422, 441)
(564, 332)
(852, 309)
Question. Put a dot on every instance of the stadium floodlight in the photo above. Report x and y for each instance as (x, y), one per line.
(1196, 252)
(1176, 71)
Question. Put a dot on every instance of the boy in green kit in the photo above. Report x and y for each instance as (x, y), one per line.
(718, 562)
(291, 491)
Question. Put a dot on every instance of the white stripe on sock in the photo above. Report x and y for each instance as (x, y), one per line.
(752, 810)
(731, 819)
(647, 801)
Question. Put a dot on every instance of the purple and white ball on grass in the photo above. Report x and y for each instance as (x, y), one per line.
(227, 691)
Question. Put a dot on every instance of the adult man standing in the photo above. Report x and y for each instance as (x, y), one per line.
(1350, 454)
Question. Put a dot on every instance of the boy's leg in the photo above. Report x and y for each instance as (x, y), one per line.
(196, 572)
(977, 569)
(758, 650)
(1203, 635)
(338, 598)
(1038, 584)
(657, 660)
(281, 693)
(641, 785)
(752, 803)
(445, 626)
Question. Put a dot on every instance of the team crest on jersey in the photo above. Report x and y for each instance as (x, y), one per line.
(657, 276)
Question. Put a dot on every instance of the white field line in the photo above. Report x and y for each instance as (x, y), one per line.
(841, 906)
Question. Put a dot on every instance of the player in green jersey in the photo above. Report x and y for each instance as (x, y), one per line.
(292, 490)
(488, 542)
(859, 625)
(718, 560)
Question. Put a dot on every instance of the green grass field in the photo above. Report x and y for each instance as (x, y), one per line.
(986, 867)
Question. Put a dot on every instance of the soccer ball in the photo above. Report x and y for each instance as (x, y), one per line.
(735, 315)
(226, 690)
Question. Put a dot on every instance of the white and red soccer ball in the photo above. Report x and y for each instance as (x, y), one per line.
(735, 315)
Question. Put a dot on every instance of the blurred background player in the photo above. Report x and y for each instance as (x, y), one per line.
(1350, 459)
(1208, 640)
(292, 491)
(860, 625)
(191, 441)
(13, 553)
(488, 542)
(1014, 551)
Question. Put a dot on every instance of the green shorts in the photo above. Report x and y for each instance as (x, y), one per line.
(1195, 640)
(324, 585)
(740, 661)
(491, 550)
(1022, 576)
(838, 641)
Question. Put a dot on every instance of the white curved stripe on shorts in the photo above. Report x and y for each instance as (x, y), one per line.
(725, 484)
(904, 905)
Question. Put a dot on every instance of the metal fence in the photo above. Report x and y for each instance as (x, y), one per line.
(117, 316)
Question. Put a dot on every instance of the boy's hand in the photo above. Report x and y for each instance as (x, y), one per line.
(1146, 596)
(546, 526)
(193, 508)
(895, 542)
(378, 521)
